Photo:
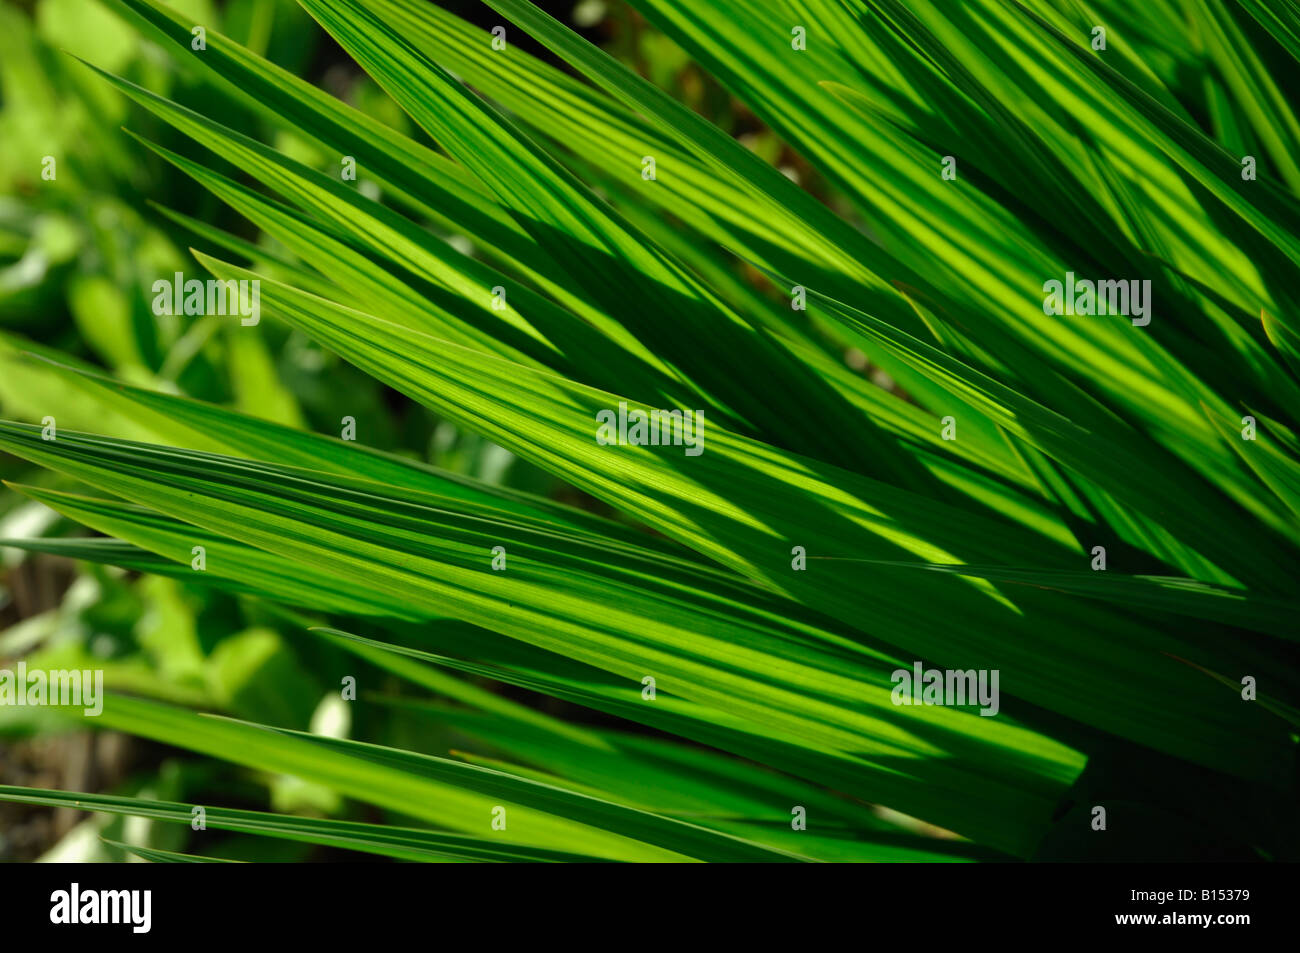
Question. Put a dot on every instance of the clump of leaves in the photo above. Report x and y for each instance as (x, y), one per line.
(833, 531)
